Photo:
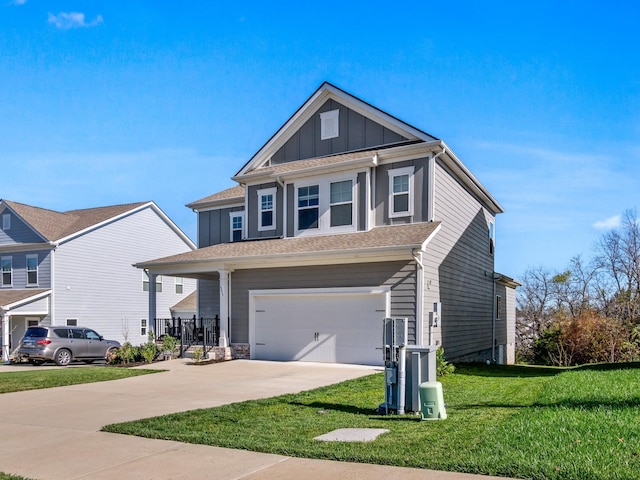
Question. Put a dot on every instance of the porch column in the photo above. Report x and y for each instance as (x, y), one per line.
(224, 307)
(152, 301)
(5, 336)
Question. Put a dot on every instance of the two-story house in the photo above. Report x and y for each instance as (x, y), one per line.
(345, 216)
(76, 268)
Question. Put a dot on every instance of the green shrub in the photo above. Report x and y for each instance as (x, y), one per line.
(442, 366)
(126, 353)
(149, 351)
(169, 346)
(198, 355)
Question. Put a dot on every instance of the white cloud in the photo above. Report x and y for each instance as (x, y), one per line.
(18, 2)
(67, 20)
(608, 224)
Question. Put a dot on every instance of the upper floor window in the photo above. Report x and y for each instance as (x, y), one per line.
(308, 207)
(179, 285)
(236, 226)
(401, 192)
(492, 237)
(32, 269)
(498, 307)
(6, 221)
(341, 200)
(6, 266)
(267, 209)
(145, 282)
(329, 124)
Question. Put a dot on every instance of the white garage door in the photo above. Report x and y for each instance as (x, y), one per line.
(340, 327)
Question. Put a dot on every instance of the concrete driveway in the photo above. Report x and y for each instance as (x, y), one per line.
(54, 433)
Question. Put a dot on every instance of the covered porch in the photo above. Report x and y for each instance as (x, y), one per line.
(20, 309)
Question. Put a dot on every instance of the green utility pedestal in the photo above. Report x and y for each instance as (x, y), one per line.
(432, 401)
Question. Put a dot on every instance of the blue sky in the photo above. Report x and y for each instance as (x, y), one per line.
(109, 102)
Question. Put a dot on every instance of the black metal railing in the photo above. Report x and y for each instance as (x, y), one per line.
(190, 331)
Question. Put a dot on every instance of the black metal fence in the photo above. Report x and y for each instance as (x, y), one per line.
(190, 332)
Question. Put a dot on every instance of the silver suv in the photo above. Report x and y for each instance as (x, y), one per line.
(63, 345)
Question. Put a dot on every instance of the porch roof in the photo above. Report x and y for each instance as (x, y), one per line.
(11, 298)
(379, 244)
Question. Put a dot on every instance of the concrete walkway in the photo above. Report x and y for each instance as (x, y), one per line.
(54, 433)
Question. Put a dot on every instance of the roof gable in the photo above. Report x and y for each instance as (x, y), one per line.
(364, 126)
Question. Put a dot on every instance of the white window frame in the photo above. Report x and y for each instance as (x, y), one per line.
(261, 193)
(398, 172)
(341, 202)
(179, 285)
(243, 233)
(324, 205)
(329, 124)
(32, 256)
(144, 327)
(145, 281)
(2, 272)
(6, 221)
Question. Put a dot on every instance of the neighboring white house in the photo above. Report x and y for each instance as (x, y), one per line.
(347, 215)
(76, 268)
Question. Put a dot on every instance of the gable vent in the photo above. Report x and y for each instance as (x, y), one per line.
(329, 125)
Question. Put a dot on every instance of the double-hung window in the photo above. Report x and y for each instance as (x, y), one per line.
(236, 226)
(341, 203)
(179, 285)
(6, 221)
(267, 209)
(32, 269)
(143, 327)
(145, 282)
(401, 192)
(308, 207)
(6, 266)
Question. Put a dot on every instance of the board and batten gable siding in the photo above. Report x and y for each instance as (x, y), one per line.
(420, 192)
(460, 253)
(253, 211)
(19, 265)
(19, 232)
(214, 226)
(95, 280)
(355, 133)
(400, 276)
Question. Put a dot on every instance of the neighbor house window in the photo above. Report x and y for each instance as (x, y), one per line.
(401, 192)
(145, 282)
(236, 225)
(179, 285)
(498, 307)
(267, 209)
(492, 237)
(308, 207)
(341, 203)
(6, 221)
(32, 269)
(329, 124)
(6, 266)
(72, 322)
(143, 327)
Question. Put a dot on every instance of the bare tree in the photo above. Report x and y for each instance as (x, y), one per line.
(534, 301)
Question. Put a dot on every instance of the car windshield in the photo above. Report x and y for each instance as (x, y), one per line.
(35, 332)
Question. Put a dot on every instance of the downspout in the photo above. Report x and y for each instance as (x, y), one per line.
(284, 206)
(493, 319)
(420, 300)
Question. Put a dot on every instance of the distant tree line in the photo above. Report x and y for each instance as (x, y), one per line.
(589, 312)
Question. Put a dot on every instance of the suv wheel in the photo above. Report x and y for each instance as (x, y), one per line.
(63, 357)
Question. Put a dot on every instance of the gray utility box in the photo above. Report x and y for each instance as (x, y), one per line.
(420, 368)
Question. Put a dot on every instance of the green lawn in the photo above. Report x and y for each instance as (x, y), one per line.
(47, 378)
(534, 423)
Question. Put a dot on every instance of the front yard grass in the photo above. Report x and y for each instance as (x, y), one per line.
(47, 378)
(534, 423)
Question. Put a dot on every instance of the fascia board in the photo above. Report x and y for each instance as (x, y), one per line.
(423, 247)
(25, 301)
(218, 205)
(20, 247)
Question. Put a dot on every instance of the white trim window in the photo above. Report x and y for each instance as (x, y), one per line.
(6, 266)
(236, 226)
(143, 327)
(145, 282)
(32, 269)
(329, 124)
(6, 221)
(325, 206)
(308, 207)
(492, 237)
(341, 203)
(179, 285)
(267, 209)
(401, 192)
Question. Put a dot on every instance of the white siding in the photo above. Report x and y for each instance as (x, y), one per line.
(95, 281)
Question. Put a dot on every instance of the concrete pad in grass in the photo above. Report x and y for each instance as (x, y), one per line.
(352, 435)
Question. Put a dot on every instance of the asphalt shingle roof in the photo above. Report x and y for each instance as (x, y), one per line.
(10, 296)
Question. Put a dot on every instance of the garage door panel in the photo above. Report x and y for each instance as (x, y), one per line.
(344, 328)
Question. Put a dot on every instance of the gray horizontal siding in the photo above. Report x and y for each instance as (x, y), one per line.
(19, 232)
(400, 276)
(19, 264)
(355, 133)
(460, 255)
